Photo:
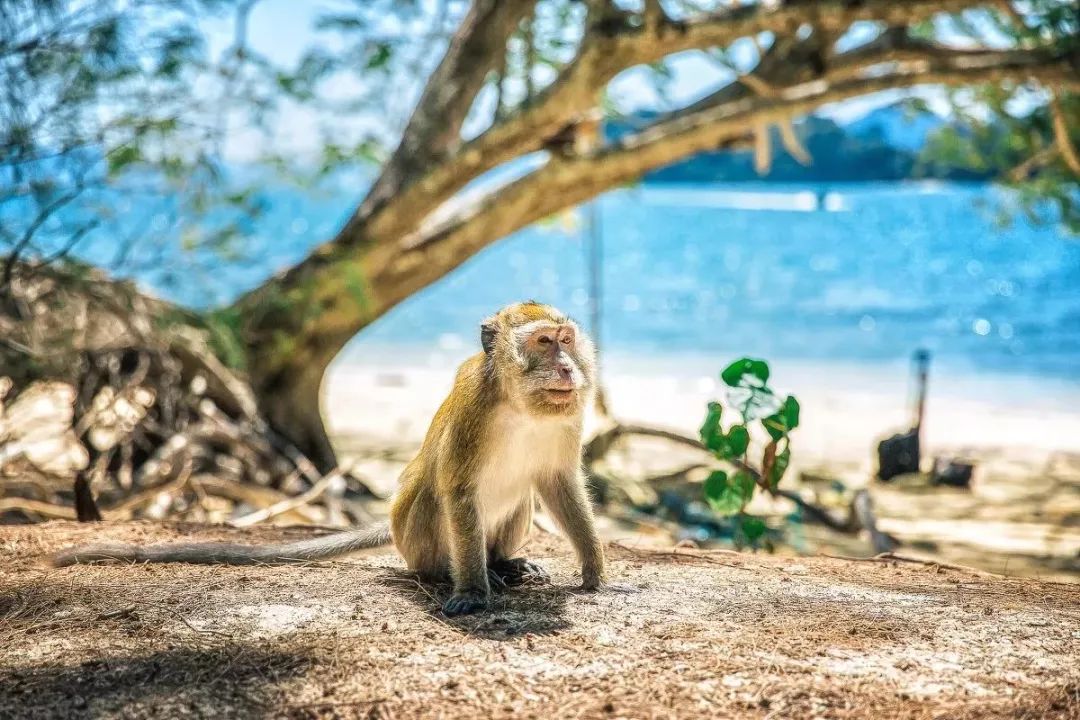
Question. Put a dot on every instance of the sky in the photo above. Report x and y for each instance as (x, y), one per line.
(283, 29)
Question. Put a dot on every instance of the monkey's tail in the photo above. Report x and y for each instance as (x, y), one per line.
(321, 548)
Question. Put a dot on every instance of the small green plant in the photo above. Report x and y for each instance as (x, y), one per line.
(748, 395)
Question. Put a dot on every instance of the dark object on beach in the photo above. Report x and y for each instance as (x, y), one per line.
(954, 473)
(899, 454)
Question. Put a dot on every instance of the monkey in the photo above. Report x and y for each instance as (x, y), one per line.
(509, 431)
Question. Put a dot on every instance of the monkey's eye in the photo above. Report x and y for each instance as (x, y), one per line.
(544, 340)
(565, 340)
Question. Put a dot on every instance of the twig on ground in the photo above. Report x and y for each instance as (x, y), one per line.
(292, 503)
(704, 556)
(888, 557)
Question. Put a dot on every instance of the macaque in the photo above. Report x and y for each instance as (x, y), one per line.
(510, 430)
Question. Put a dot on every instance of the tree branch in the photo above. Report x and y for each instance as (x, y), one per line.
(396, 243)
(1061, 136)
(565, 182)
(434, 129)
(608, 48)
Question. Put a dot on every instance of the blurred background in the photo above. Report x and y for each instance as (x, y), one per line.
(827, 187)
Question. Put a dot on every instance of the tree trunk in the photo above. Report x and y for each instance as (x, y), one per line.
(294, 410)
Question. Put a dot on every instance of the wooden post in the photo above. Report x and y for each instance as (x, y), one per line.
(921, 361)
(594, 263)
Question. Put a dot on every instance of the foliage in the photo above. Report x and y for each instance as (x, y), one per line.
(990, 133)
(753, 401)
(1013, 126)
(127, 132)
(102, 139)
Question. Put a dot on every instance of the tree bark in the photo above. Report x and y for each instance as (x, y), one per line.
(294, 410)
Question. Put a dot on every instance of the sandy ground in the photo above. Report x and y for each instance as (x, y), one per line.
(690, 634)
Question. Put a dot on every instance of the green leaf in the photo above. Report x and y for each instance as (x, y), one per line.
(710, 432)
(790, 411)
(380, 56)
(784, 420)
(744, 481)
(779, 467)
(716, 485)
(728, 496)
(123, 157)
(753, 528)
(734, 444)
(340, 22)
(734, 373)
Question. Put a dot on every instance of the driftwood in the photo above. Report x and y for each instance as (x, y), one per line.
(110, 408)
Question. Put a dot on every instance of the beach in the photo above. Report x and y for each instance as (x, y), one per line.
(1021, 514)
(392, 395)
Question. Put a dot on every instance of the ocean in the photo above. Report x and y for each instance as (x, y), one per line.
(852, 274)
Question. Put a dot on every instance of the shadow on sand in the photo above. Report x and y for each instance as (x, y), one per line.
(533, 609)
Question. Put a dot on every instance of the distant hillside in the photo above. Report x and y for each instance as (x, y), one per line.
(897, 126)
(884, 144)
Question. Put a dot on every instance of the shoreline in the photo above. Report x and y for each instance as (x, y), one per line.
(392, 392)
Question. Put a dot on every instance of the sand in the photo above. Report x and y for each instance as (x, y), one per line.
(391, 395)
(689, 634)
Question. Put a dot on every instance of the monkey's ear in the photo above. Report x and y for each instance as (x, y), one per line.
(488, 330)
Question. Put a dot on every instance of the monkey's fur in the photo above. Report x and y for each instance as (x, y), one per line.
(511, 425)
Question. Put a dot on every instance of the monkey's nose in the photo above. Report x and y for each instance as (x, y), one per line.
(566, 373)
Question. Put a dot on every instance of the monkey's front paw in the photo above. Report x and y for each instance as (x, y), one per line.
(464, 603)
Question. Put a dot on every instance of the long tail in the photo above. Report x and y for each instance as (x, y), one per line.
(321, 548)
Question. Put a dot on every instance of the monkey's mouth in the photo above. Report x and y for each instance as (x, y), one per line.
(559, 395)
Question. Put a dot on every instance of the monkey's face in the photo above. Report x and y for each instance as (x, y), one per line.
(550, 360)
(553, 379)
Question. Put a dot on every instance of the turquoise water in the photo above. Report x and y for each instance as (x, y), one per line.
(693, 270)
(859, 273)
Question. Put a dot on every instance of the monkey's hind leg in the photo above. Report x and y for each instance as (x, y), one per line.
(512, 571)
(519, 571)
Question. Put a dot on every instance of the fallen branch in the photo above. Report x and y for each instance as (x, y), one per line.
(889, 557)
(37, 507)
(703, 556)
(237, 491)
(292, 503)
(861, 515)
(602, 443)
(862, 507)
(124, 509)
